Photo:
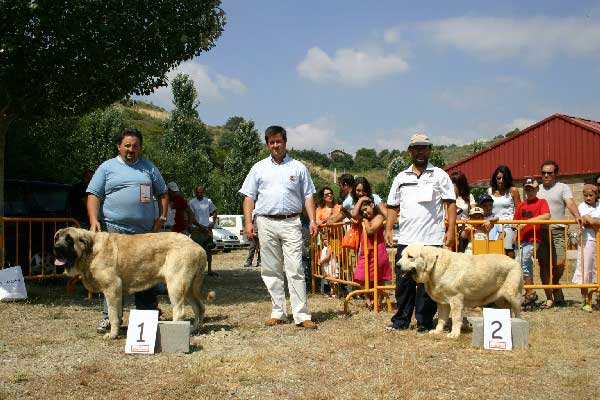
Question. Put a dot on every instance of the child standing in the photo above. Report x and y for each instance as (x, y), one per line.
(586, 273)
(529, 235)
(329, 267)
(373, 222)
(486, 231)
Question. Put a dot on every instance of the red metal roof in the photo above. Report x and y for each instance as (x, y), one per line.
(574, 143)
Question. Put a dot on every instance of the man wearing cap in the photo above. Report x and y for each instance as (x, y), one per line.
(418, 194)
(275, 191)
(183, 218)
(120, 200)
(204, 210)
(559, 196)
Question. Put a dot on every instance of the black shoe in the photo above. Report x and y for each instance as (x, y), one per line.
(423, 329)
(247, 265)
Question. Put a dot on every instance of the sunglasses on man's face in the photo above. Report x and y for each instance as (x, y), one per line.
(547, 173)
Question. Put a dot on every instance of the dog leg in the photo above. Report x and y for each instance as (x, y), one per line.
(456, 309)
(114, 299)
(443, 313)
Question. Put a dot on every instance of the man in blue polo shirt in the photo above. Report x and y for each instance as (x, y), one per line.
(121, 200)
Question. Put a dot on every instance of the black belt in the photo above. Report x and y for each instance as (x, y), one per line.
(282, 216)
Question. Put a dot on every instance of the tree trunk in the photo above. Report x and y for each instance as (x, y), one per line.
(5, 121)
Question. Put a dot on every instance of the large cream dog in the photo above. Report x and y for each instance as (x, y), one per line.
(117, 264)
(458, 280)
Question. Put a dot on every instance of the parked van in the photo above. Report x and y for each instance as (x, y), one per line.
(234, 224)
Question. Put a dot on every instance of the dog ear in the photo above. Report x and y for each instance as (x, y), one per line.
(430, 257)
(86, 240)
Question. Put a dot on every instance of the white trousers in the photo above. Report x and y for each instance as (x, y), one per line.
(281, 251)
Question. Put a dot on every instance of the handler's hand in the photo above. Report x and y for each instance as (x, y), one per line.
(389, 238)
(313, 229)
(95, 226)
(449, 240)
(249, 229)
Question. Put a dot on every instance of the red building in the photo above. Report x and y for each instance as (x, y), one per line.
(574, 143)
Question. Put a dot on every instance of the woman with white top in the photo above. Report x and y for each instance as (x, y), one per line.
(506, 200)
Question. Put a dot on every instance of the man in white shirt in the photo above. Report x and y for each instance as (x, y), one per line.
(419, 193)
(203, 209)
(275, 191)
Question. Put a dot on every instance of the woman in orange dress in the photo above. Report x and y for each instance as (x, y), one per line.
(327, 205)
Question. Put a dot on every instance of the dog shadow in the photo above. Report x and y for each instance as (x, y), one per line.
(321, 316)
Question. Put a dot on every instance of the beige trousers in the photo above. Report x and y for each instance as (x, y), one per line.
(281, 251)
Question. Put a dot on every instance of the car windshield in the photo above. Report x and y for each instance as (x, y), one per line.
(226, 222)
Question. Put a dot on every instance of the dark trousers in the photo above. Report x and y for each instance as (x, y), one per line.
(254, 248)
(410, 297)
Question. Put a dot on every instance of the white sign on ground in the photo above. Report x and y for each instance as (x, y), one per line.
(497, 329)
(12, 284)
(141, 332)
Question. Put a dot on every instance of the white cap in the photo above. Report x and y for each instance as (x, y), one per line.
(476, 210)
(419, 140)
(172, 186)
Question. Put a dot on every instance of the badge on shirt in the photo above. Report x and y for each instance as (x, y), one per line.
(292, 178)
(145, 193)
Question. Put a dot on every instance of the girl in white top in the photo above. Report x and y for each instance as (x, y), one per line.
(464, 199)
(586, 271)
(329, 267)
(506, 199)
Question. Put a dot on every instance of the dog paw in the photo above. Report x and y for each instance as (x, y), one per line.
(435, 332)
(453, 335)
(110, 336)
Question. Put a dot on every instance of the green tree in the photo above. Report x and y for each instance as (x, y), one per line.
(185, 96)
(186, 140)
(341, 160)
(68, 57)
(243, 155)
(365, 159)
(436, 157)
(230, 126)
(398, 164)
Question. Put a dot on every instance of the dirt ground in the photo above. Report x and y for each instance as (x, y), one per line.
(49, 349)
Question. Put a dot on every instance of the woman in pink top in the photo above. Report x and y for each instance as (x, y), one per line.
(373, 222)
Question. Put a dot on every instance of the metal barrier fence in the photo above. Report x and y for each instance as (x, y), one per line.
(347, 258)
(28, 242)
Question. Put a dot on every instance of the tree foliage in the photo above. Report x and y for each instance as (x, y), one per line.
(184, 157)
(313, 156)
(243, 155)
(365, 159)
(65, 58)
(71, 56)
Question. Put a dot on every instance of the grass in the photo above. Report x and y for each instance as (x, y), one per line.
(49, 349)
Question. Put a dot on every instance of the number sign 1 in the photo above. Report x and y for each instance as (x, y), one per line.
(141, 332)
(497, 330)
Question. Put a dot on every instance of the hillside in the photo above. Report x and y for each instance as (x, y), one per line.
(149, 119)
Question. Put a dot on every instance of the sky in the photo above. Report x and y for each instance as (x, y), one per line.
(351, 74)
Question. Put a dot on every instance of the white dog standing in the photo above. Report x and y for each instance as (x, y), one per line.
(457, 280)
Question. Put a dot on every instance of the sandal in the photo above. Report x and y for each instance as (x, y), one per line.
(547, 305)
(528, 298)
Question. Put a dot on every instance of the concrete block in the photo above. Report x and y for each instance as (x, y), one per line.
(173, 337)
(520, 332)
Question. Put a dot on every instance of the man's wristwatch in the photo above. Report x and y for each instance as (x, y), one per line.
(163, 219)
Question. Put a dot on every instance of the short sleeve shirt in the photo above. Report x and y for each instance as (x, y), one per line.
(278, 189)
(202, 210)
(421, 200)
(556, 197)
(592, 211)
(526, 210)
(127, 193)
(179, 204)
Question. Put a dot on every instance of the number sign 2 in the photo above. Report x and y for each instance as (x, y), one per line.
(141, 332)
(497, 329)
